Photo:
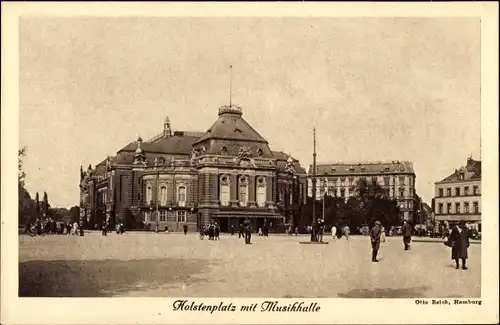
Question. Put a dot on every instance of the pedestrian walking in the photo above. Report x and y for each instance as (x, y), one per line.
(241, 234)
(407, 232)
(260, 232)
(459, 242)
(216, 232)
(334, 232)
(296, 231)
(382, 235)
(346, 232)
(232, 230)
(265, 230)
(104, 228)
(185, 229)
(247, 226)
(375, 234)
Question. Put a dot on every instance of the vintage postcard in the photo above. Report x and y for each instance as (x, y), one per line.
(298, 163)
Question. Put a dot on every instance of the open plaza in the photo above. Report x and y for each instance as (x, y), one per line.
(141, 264)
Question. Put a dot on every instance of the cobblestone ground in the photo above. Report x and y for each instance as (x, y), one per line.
(174, 265)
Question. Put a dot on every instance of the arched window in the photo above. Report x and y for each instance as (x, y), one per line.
(181, 195)
(149, 193)
(261, 192)
(243, 191)
(163, 195)
(224, 190)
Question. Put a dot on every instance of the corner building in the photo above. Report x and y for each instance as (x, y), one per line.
(224, 175)
(339, 180)
(458, 196)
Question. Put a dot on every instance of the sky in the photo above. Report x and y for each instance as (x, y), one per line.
(375, 89)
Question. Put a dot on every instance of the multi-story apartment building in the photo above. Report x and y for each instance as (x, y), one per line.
(225, 174)
(458, 196)
(339, 179)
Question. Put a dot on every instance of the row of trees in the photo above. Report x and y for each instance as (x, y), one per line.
(371, 202)
(30, 209)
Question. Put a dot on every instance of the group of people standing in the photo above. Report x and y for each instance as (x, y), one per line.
(212, 231)
(120, 228)
(49, 226)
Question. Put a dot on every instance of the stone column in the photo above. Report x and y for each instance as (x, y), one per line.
(251, 191)
(233, 200)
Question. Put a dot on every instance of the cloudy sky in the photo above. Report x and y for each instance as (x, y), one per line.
(374, 88)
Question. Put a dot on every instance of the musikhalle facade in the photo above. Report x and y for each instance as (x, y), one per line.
(224, 175)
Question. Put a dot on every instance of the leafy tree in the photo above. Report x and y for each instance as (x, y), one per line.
(45, 204)
(74, 213)
(21, 174)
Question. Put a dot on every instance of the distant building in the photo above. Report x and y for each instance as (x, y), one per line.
(458, 196)
(222, 175)
(397, 177)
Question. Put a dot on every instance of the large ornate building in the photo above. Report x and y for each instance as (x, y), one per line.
(339, 179)
(224, 174)
(458, 196)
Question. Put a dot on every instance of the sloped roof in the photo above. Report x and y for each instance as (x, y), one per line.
(363, 168)
(231, 126)
(473, 168)
(179, 143)
(281, 161)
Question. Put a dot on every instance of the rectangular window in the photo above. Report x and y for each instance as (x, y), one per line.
(466, 190)
(181, 196)
(261, 196)
(146, 217)
(440, 211)
(448, 192)
(448, 208)
(153, 216)
(476, 207)
(401, 181)
(441, 192)
(476, 190)
(181, 216)
(386, 181)
(162, 216)
(243, 195)
(163, 195)
(342, 193)
(224, 195)
(466, 207)
(457, 207)
(457, 191)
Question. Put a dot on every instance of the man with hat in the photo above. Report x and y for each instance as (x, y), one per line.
(375, 239)
(247, 226)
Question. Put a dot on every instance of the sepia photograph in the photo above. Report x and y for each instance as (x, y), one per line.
(285, 158)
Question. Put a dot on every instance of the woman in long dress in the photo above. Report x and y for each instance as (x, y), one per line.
(459, 239)
(382, 235)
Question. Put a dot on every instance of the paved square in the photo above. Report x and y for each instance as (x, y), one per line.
(174, 265)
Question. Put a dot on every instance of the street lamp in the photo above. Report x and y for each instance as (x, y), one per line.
(325, 190)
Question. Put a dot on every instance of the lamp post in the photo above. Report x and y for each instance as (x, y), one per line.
(157, 193)
(325, 190)
(314, 238)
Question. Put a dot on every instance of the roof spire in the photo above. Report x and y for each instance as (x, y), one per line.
(230, 85)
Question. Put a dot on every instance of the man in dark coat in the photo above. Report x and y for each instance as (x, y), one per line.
(375, 233)
(232, 230)
(247, 226)
(241, 234)
(406, 235)
(185, 229)
(104, 228)
(459, 239)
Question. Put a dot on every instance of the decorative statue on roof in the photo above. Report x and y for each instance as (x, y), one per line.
(108, 164)
(244, 152)
(194, 154)
(289, 165)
